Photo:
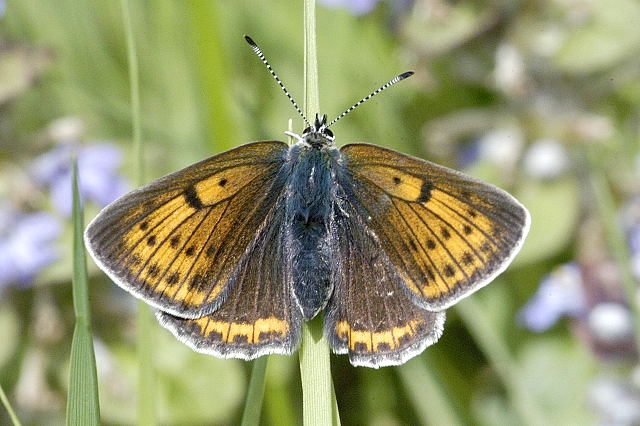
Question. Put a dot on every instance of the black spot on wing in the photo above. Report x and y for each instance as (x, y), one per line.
(405, 339)
(197, 283)
(360, 347)
(173, 278)
(191, 196)
(154, 270)
(215, 336)
(449, 271)
(240, 338)
(383, 347)
(425, 191)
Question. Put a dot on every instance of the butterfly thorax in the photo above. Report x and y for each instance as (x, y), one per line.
(310, 195)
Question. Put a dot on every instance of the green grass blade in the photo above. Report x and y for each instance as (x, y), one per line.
(253, 404)
(83, 406)
(495, 348)
(335, 414)
(134, 90)
(213, 68)
(146, 368)
(9, 408)
(319, 406)
(615, 238)
(146, 414)
(431, 404)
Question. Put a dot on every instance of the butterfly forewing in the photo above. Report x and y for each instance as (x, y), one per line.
(258, 316)
(447, 234)
(177, 242)
(370, 315)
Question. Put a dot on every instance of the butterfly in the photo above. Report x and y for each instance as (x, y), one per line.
(238, 250)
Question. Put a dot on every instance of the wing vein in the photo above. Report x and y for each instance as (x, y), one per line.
(175, 256)
(489, 237)
(178, 252)
(381, 231)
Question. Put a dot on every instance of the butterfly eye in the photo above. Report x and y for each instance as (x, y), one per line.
(328, 133)
(307, 130)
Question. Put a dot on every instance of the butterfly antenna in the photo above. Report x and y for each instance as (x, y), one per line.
(372, 94)
(258, 52)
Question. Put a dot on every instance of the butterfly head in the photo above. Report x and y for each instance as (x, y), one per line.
(317, 135)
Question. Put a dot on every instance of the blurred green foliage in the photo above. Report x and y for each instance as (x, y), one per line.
(564, 70)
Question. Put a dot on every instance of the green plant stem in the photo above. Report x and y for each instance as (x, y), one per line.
(494, 347)
(615, 239)
(7, 405)
(318, 399)
(311, 91)
(144, 319)
(255, 393)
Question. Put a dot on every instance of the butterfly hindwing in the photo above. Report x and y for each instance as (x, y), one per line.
(258, 316)
(177, 241)
(370, 316)
(446, 233)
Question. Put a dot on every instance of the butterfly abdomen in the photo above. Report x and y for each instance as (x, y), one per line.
(308, 209)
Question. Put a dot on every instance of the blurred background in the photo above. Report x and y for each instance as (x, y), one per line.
(539, 97)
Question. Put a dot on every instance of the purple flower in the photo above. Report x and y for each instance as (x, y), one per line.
(356, 7)
(633, 236)
(631, 225)
(26, 245)
(634, 239)
(560, 293)
(97, 171)
(468, 155)
(3, 7)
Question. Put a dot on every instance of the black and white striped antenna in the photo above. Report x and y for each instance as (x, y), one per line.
(390, 83)
(393, 81)
(258, 52)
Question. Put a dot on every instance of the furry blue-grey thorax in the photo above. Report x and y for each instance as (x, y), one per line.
(310, 198)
